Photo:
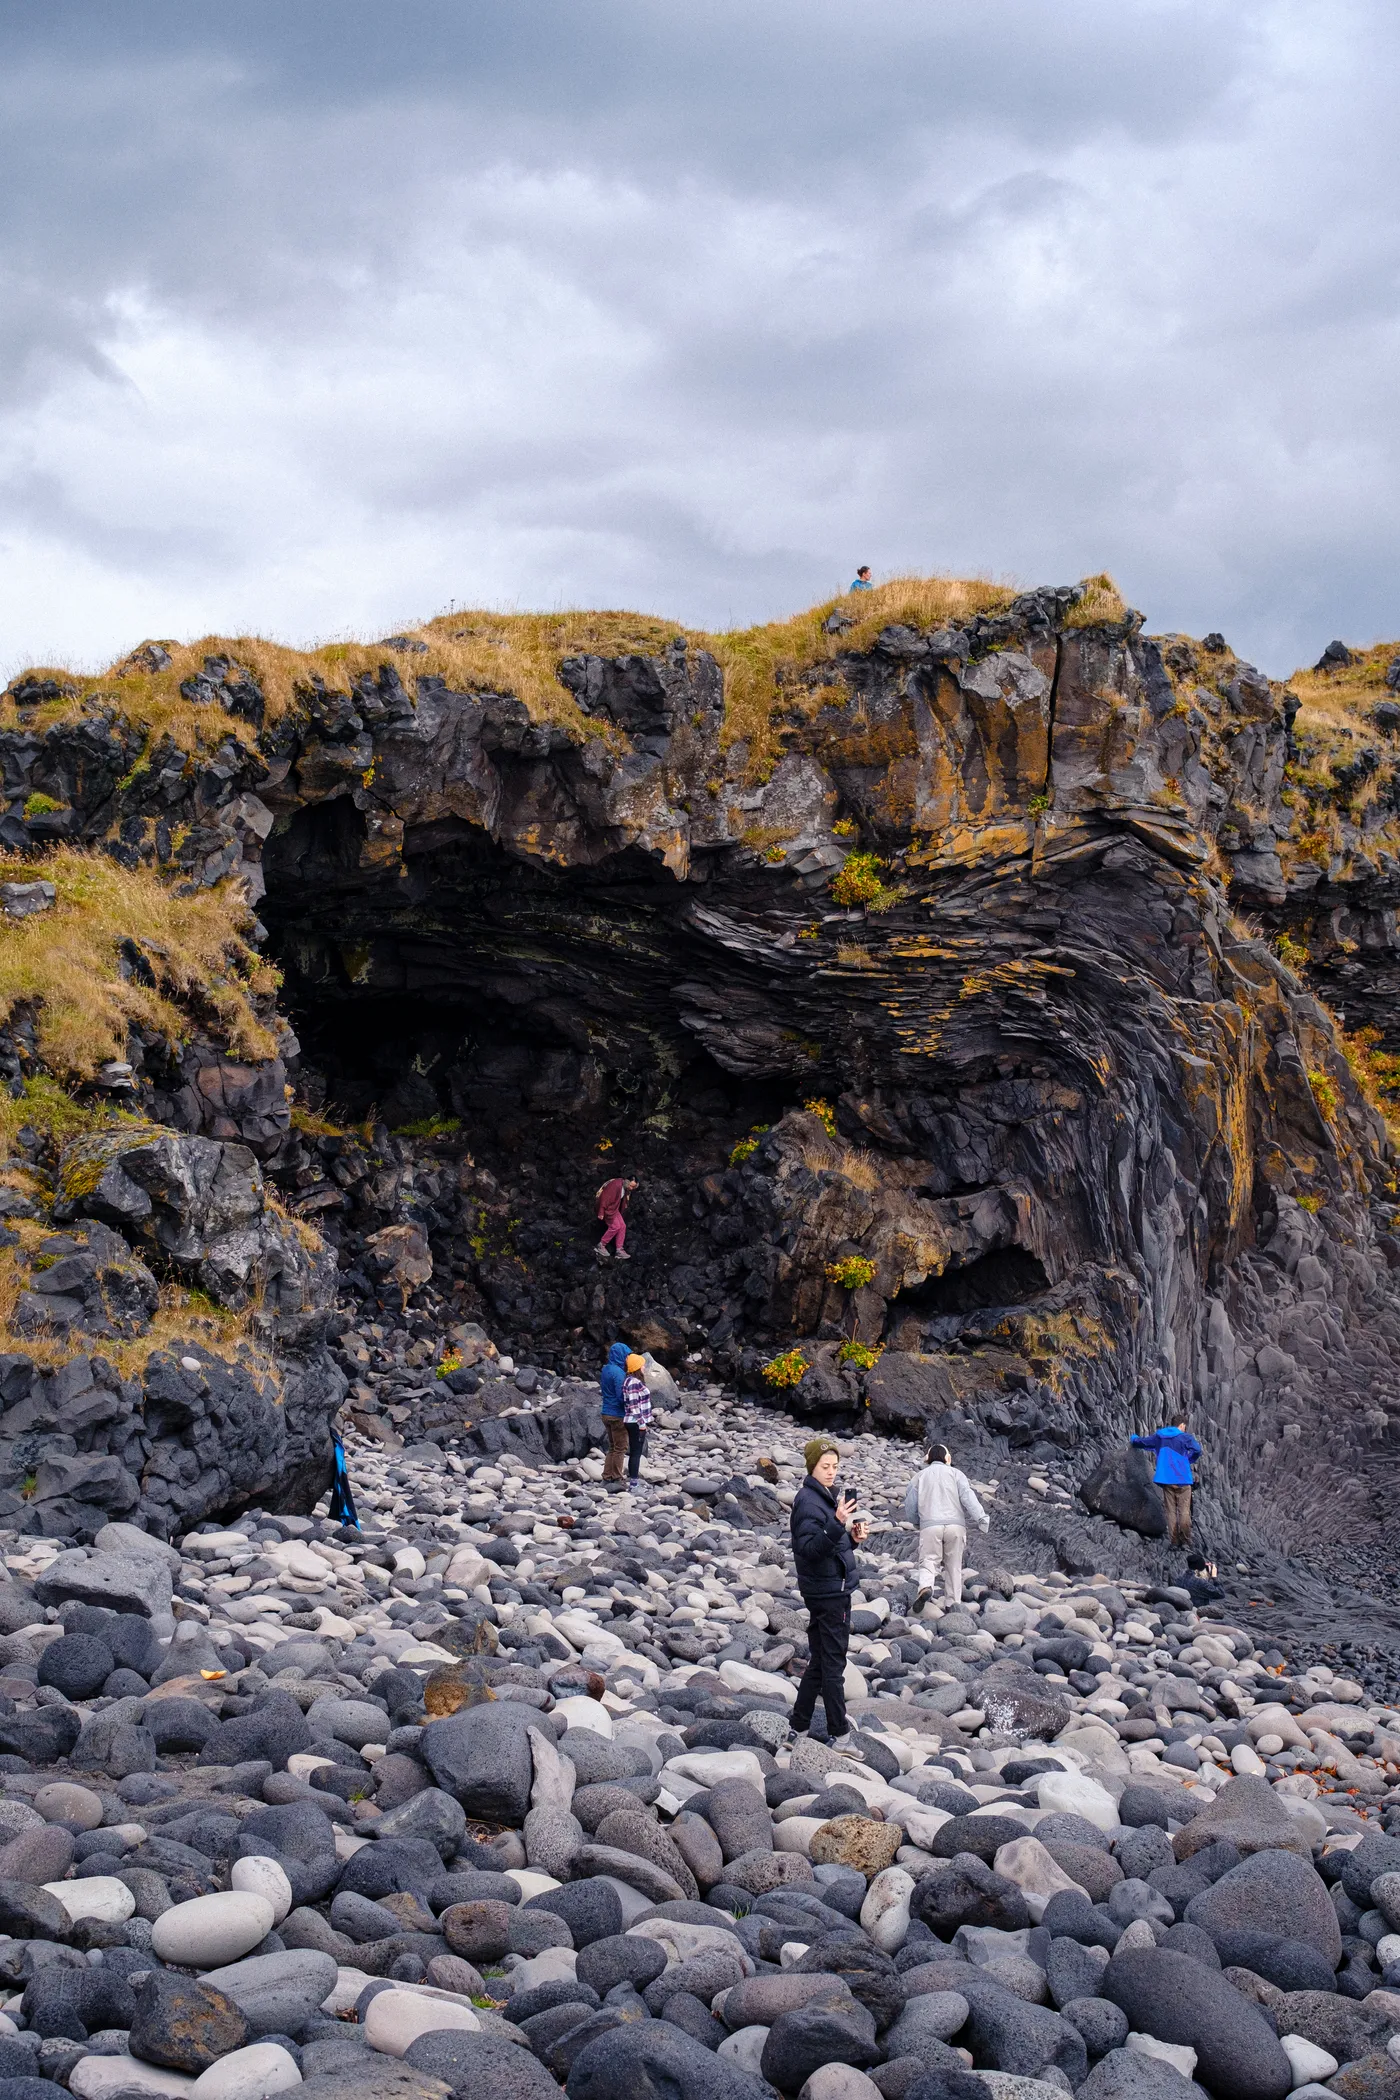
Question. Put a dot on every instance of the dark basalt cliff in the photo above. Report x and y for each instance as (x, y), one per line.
(1101, 1145)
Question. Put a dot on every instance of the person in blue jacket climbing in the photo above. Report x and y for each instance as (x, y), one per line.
(1176, 1451)
(611, 1379)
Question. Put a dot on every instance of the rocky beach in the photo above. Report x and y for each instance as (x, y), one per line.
(496, 1791)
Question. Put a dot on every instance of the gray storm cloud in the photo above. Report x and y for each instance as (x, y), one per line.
(314, 320)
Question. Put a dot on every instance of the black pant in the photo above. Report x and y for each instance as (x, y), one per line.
(636, 1445)
(828, 1635)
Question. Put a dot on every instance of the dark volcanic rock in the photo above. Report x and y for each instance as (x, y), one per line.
(1180, 2000)
(1263, 1890)
(184, 2025)
(1122, 1487)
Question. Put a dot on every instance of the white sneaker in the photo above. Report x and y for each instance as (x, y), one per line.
(844, 1745)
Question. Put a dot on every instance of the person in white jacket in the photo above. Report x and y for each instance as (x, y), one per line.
(941, 1503)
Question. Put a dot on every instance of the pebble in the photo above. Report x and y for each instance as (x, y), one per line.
(265, 1878)
(211, 1930)
(396, 2019)
(100, 1897)
(64, 1802)
(254, 2073)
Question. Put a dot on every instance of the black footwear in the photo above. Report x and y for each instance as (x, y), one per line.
(921, 1600)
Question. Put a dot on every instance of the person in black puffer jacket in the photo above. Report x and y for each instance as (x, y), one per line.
(826, 1575)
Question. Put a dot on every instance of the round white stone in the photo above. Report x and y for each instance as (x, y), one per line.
(839, 2082)
(795, 1834)
(94, 2077)
(100, 1896)
(885, 1911)
(1310, 2063)
(395, 2020)
(302, 1763)
(745, 2048)
(253, 2073)
(209, 1931)
(263, 1877)
(531, 1882)
(585, 1713)
(1080, 1796)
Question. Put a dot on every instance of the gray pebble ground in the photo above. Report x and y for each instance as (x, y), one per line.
(496, 1795)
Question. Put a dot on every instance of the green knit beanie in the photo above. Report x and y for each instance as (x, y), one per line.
(815, 1450)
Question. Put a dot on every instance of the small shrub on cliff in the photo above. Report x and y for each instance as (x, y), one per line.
(450, 1363)
(430, 1127)
(1292, 954)
(38, 805)
(825, 1114)
(1324, 1093)
(846, 828)
(747, 1146)
(858, 883)
(859, 1355)
(852, 1272)
(1311, 1204)
(785, 1371)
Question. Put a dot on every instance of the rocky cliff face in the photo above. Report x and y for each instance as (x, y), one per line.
(956, 962)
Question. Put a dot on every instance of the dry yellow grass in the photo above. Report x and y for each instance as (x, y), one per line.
(765, 668)
(1344, 698)
(1102, 604)
(66, 961)
(516, 653)
(181, 1316)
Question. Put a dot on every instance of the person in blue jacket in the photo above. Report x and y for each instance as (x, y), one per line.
(611, 1378)
(862, 579)
(1176, 1451)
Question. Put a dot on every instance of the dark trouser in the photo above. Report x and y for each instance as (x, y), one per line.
(1178, 1505)
(617, 1448)
(828, 1635)
(636, 1445)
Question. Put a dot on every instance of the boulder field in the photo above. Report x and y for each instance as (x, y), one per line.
(497, 1792)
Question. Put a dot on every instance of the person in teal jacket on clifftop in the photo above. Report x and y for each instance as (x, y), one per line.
(1176, 1452)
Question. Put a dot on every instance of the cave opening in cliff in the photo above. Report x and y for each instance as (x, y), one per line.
(537, 1008)
(1002, 1280)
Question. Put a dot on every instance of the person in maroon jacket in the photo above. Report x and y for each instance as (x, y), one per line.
(612, 1209)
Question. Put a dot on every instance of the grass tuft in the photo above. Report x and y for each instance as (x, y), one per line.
(67, 962)
(1102, 605)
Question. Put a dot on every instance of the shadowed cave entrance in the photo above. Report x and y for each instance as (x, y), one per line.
(969, 1300)
(523, 1032)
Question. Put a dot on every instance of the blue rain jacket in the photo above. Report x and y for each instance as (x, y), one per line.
(1175, 1449)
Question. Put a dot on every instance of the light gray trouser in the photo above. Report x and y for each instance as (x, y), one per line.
(941, 1548)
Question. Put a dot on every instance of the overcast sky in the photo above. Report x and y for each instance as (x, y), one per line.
(317, 318)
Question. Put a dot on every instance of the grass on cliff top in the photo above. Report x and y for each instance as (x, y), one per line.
(766, 668)
(67, 961)
(1343, 699)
